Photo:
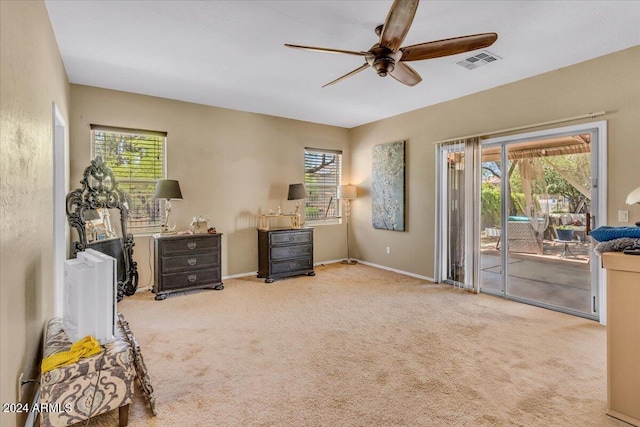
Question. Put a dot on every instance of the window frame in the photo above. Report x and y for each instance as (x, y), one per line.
(336, 205)
(157, 205)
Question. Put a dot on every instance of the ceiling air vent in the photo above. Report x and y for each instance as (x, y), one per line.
(478, 60)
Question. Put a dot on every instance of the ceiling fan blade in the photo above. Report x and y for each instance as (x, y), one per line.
(325, 49)
(397, 24)
(349, 74)
(405, 74)
(437, 49)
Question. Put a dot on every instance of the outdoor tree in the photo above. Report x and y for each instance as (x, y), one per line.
(137, 163)
(575, 167)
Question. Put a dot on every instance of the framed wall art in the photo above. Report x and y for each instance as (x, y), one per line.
(387, 186)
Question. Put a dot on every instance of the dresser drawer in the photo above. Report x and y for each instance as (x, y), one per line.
(291, 265)
(190, 279)
(283, 252)
(290, 237)
(194, 244)
(189, 262)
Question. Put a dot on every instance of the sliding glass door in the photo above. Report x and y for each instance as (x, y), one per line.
(546, 189)
(515, 214)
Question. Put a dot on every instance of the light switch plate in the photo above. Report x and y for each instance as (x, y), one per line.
(623, 216)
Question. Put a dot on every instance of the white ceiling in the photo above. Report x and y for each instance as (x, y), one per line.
(230, 53)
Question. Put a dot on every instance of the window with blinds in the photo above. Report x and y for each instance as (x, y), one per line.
(322, 175)
(138, 160)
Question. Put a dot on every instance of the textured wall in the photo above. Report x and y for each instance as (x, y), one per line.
(231, 166)
(608, 83)
(33, 77)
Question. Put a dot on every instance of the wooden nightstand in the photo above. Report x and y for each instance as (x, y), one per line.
(285, 253)
(185, 262)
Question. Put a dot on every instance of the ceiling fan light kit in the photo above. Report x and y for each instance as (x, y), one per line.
(387, 57)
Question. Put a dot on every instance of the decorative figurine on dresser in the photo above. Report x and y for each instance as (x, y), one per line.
(186, 261)
(285, 252)
(88, 213)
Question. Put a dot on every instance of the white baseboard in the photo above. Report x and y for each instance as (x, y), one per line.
(406, 273)
(335, 261)
(254, 273)
(235, 276)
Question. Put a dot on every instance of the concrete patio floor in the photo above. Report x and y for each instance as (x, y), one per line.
(553, 278)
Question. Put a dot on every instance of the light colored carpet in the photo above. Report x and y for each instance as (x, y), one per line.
(360, 346)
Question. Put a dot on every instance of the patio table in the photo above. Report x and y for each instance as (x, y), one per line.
(566, 249)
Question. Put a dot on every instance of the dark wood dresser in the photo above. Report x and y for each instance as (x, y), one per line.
(284, 253)
(185, 262)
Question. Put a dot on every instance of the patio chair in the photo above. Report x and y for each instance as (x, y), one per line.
(522, 237)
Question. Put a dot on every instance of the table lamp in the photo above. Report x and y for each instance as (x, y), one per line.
(167, 189)
(633, 198)
(347, 193)
(297, 192)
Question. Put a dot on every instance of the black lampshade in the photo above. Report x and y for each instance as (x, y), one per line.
(168, 189)
(297, 192)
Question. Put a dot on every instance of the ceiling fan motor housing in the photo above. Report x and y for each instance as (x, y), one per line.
(382, 60)
(384, 66)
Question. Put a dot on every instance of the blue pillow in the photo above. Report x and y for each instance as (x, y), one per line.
(606, 233)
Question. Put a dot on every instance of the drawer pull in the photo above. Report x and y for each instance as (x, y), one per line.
(192, 245)
(292, 265)
(291, 238)
(192, 278)
(291, 252)
(192, 261)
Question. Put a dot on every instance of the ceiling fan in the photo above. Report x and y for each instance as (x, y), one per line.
(388, 58)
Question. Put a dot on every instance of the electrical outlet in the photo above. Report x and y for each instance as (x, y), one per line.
(623, 216)
(19, 394)
(388, 249)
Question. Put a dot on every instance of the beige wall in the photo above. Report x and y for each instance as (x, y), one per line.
(234, 165)
(609, 83)
(32, 78)
(231, 166)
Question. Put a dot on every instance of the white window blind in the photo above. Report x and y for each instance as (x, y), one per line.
(138, 160)
(322, 175)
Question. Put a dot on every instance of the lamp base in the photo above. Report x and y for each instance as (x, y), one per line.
(166, 230)
(349, 261)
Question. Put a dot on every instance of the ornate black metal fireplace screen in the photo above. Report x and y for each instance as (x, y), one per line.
(99, 194)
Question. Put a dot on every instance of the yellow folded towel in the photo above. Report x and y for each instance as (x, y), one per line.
(87, 346)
